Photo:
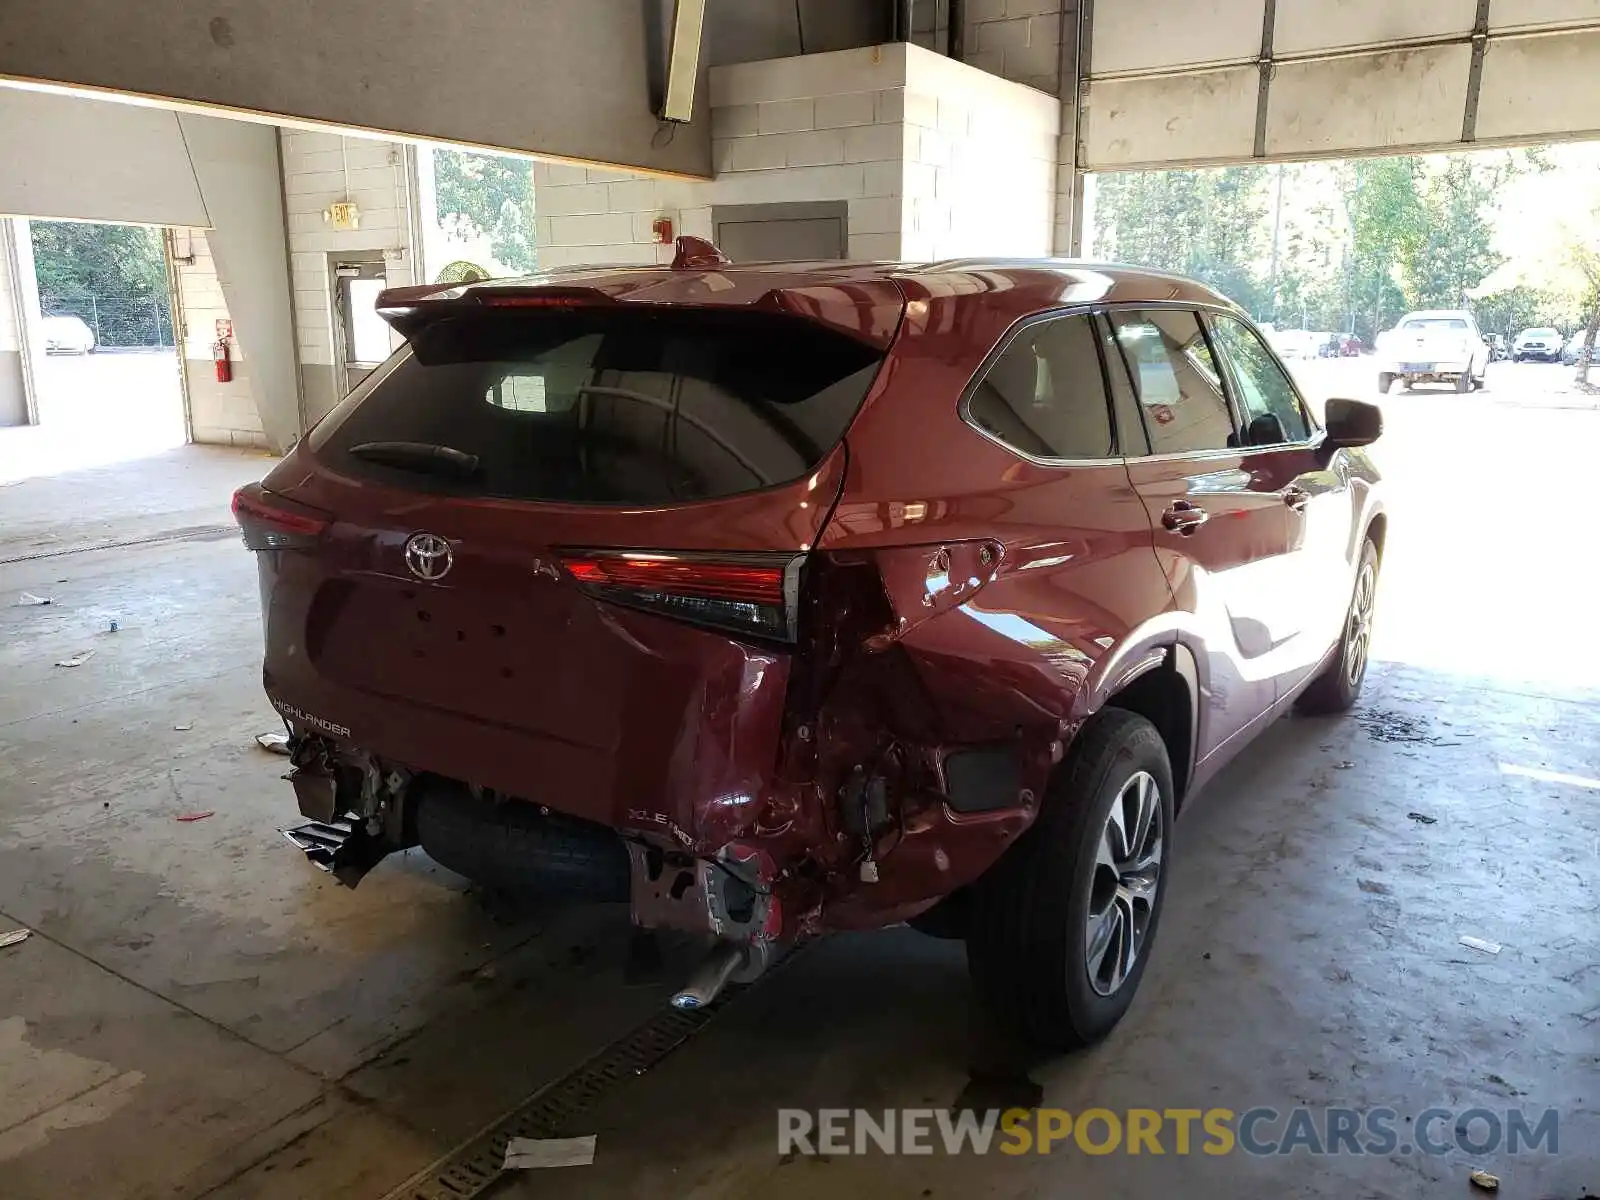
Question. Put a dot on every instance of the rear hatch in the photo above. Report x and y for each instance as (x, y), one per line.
(569, 536)
(1424, 341)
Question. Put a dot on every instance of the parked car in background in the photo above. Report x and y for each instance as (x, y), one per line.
(67, 335)
(1294, 343)
(1435, 346)
(1498, 351)
(629, 585)
(1349, 345)
(1574, 348)
(1539, 345)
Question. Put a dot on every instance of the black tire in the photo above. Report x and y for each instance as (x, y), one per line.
(1385, 382)
(1334, 690)
(1464, 382)
(1026, 951)
(514, 847)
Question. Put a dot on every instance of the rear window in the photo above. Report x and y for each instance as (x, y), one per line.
(603, 406)
(1453, 324)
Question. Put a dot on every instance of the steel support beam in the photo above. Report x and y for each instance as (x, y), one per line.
(1269, 19)
(1077, 17)
(1480, 47)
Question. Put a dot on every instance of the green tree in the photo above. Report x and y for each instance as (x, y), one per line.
(1388, 225)
(113, 276)
(1206, 224)
(1456, 250)
(78, 258)
(489, 194)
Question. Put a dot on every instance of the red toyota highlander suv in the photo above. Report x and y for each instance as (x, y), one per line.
(782, 598)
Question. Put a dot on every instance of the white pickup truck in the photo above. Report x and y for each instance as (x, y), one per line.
(1436, 346)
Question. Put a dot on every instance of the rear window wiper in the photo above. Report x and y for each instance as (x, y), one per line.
(424, 457)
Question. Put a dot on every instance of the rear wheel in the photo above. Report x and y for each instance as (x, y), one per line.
(1063, 925)
(1385, 382)
(1464, 382)
(1339, 686)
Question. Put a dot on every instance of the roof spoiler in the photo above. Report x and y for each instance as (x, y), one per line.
(408, 309)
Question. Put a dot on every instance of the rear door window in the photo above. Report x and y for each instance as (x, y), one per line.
(1168, 361)
(603, 406)
(1045, 394)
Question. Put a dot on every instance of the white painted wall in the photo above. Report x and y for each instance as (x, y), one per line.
(220, 414)
(10, 298)
(318, 170)
(236, 165)
(13, 382)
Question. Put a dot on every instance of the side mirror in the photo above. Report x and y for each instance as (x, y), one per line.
(1352, 423)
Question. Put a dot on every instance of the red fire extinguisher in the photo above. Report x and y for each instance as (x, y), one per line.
(219, 353)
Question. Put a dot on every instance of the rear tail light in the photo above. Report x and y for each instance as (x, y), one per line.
(270, 522)
(753, 594)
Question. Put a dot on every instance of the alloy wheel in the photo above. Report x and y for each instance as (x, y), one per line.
(1124, 883)
(1358, 636)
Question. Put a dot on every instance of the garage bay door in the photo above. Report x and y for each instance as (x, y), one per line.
(1180, 82)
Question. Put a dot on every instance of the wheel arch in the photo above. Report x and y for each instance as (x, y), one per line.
(1166, 693)
(1378, 530)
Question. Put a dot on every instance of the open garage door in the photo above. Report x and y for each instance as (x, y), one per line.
(1183, 82)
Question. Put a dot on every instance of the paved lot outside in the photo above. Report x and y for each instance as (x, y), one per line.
(96, 409)
(199, 1013)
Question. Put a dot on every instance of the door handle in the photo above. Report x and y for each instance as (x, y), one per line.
(1296, 497)
(1183, 517)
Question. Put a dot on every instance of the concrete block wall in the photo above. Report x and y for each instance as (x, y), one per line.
(223, 414)
(817, 127)
(935, 159)
(980, 163)
(320, 169)
(1019, 40)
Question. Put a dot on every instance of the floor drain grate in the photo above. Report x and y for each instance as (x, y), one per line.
(473, 1167)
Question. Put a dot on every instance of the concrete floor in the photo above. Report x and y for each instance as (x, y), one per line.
(200, 1013)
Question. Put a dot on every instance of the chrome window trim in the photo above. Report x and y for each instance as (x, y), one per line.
(1012, 333)
(1017, 327)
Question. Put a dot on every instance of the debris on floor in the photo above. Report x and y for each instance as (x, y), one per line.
(15, 936)
(1473, 943)
(184, 726)
(197, 816)
(113, 627)
(1385, 725)
(77, 660)
(1373, 887)
(1423, 818)
(29, 600)
(524, 1154)
(1482, 1179)
(273, 743)
(1344, 764)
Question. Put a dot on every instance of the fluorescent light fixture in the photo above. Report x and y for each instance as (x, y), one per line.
(683, 61)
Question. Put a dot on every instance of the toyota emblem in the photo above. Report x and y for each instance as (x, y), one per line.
(429, 556)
